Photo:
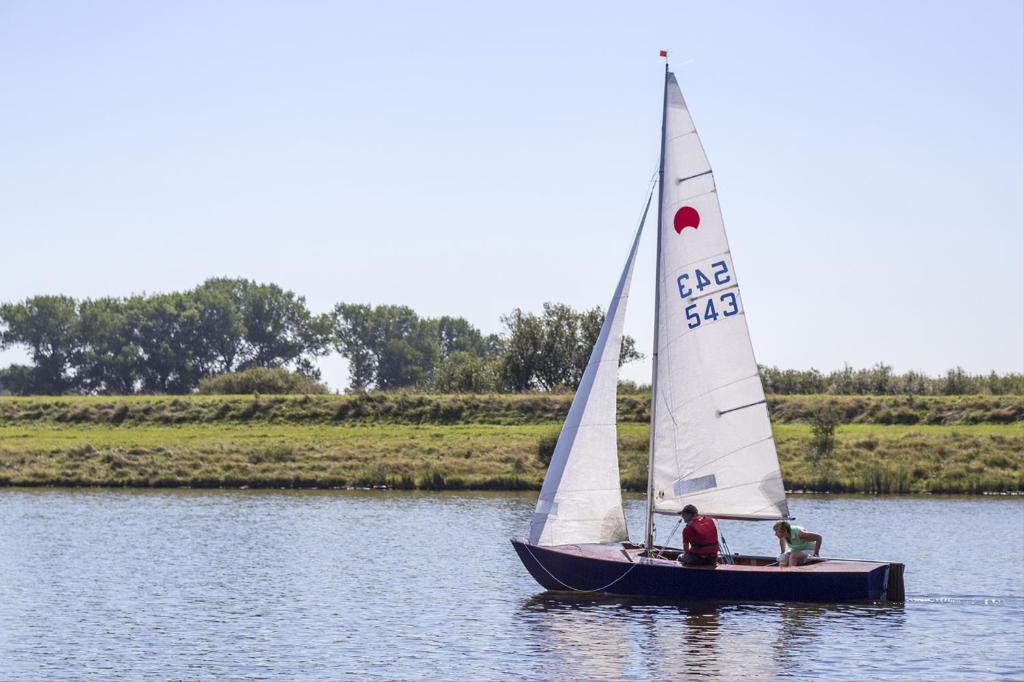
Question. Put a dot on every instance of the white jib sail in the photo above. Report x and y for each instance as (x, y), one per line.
(581, 499)
(713, 444)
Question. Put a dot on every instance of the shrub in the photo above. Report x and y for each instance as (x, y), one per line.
(823, 433)
(546, 447)
(274, 454)
(260, 380)
(17, 380)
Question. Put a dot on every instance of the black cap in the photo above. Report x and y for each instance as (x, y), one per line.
(690, 509)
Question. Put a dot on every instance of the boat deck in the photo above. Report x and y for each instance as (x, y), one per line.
(669, 556)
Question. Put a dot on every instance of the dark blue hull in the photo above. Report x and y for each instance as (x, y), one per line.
(620, 570)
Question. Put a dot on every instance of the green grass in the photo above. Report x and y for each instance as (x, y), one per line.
(957, 444)
(867, 458)
(460, 456)
(907, 459)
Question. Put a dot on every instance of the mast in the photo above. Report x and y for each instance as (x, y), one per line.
(649, 532)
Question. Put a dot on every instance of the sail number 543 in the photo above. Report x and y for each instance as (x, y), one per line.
(708, 311)
(713, 307)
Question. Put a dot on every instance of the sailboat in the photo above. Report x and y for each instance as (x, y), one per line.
(711, 441)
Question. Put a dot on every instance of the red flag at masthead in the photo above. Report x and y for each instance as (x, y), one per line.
(663, 53)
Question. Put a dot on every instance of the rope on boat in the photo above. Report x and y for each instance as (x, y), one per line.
(570, 587)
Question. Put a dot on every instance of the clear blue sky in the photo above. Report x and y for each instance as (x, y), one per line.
(468, 158)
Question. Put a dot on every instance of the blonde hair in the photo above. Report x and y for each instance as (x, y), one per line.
(783, 525)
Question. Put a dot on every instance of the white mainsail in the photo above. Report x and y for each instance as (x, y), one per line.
(581, 499)
(712, 443)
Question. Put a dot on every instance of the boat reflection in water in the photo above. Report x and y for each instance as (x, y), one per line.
(612, 637)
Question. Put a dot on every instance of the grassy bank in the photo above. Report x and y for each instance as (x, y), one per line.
(963, 444)
(504, 409)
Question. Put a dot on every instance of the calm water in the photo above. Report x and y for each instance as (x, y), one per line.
(336, 584)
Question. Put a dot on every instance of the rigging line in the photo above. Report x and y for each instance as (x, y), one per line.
(570, 587)
(647, 204)
(668, 539)
(650, 193)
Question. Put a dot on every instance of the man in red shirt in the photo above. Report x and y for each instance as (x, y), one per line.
(700, 539)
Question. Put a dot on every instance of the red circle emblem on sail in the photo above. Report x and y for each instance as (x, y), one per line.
(686, 217)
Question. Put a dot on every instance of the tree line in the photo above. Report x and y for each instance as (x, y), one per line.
(881, 380)
(169, 343)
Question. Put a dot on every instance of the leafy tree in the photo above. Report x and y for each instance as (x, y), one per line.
(456, 334)
(220, 302)
(408, 348)
(279, 329)
(523, 357)
(957, 382)
(49, 327)
(17, 380)
(552, 351)
(792, 381)
(465, 372)
(388, 346)
(355, 338)
(881, 380)
(590, 323)
(111, 359)
(405, 363)
(561, 359)
(171, 344)
(244, 324)
(912, 383)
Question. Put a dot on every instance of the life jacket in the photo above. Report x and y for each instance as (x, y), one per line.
(703, 536)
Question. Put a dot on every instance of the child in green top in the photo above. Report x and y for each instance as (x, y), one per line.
(800, 544)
